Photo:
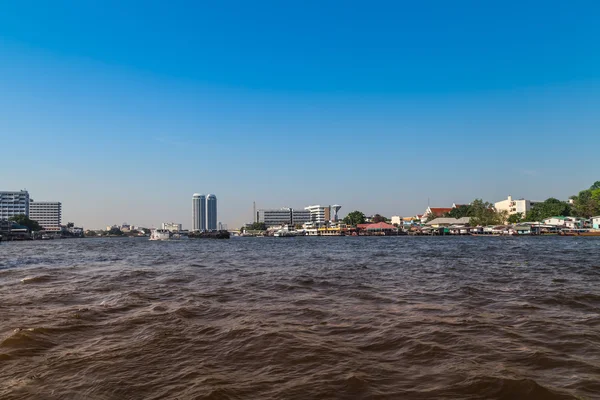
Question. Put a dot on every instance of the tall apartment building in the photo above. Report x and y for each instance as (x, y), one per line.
(211, 212)
(198, 212)
(47, 213)
(283, 216)
(14, 203)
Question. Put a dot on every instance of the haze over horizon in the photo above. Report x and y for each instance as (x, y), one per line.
(123, 110)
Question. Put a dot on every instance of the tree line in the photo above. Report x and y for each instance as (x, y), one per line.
(584, 205)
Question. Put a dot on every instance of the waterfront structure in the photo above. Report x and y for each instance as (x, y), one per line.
(14, 203)
(435, 212)
(513, 206)
(567, 222)
(321, 215)
(440, 222)
(171, 227)
(198, 212)
(596, 222)
(211, 212)
(397, 220)
(47, 213)
(283, 216)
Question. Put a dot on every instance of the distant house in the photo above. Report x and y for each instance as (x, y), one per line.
(596, 222)
(435, 212)
(567, 222)
(440, 222)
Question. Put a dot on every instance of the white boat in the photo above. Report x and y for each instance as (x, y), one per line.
(286, 232)
(160, 234)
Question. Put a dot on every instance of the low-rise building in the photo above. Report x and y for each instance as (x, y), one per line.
(283, 216)
(435, 212)
(514, 206)
(567, 222)
(596, 222)
(171, 226)
(441, 222)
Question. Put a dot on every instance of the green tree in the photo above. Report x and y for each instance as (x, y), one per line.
(550, 208)
(378, 218)
(70, 225)
(354, 218)
(515, 218)
(257, 226)
(115, 231)
(24, 220)
(458, 212)
(483, 213)
(587, 203)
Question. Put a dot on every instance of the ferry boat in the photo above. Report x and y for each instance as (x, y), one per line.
(580, 232)
(160, 234)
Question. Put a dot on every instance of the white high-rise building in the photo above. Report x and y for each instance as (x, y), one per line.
(199, 212)
(322, 214)
(47, 213)
(14, 203)
(211, 212)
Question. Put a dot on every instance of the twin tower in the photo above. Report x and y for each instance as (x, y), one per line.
(204, 212)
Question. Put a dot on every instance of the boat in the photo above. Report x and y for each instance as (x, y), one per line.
(580, 232)
(286, 232)
(160, 234)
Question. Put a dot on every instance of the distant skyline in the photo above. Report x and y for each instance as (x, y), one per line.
(123, 110)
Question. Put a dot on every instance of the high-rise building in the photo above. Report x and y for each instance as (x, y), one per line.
(14, 203)
(47, 213)
(211, 212)
(199, 212)
(321, 215)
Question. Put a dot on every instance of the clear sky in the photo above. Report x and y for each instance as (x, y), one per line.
(122, 110)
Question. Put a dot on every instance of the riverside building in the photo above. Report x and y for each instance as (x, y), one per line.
(47, 213)
(320, 215)
(283, 216)
(14, 203)
(171, 226)
(514, 206)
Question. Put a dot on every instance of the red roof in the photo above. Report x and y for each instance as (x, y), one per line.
(362, 226)
(380, 226)
(439, 211)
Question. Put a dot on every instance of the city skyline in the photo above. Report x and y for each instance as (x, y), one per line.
(426, 104)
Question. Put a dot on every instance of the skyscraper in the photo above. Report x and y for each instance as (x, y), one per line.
(199, 212)
(211, 208)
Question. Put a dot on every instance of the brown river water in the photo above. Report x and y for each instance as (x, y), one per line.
(301, 318)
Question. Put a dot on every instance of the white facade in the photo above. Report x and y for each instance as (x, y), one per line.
(596, 222)
(513, 206)
(322, 214)
(47, 213)
(14, 203)
(198, 212)
(171, 226)
(397, 220)
(211, 212)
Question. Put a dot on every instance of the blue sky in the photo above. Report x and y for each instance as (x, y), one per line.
(122, 110)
